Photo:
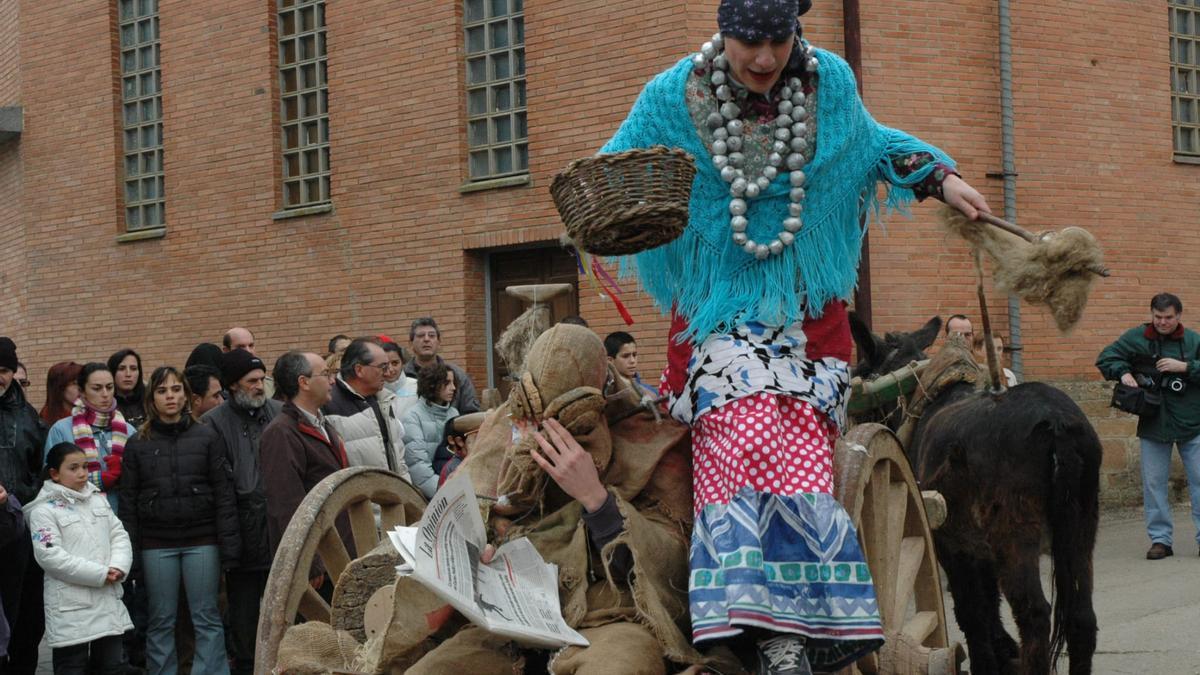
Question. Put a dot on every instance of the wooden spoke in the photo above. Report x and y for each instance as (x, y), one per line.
(921, 625)
(912, 554)
(362, 523)
(312, 606)
(333, 554)
(392, 515)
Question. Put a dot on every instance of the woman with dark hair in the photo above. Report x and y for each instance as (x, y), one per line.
(425, 424)
(97, 426)
(61, 391)
(179, 508)
(126, 367)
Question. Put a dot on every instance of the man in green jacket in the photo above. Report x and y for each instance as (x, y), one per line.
(1164, 355)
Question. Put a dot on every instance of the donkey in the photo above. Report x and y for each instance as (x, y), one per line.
(1014, 467)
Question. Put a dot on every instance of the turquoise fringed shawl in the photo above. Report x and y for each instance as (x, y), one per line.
(716, 284)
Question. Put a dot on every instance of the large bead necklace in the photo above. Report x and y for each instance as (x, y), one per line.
(792, 148)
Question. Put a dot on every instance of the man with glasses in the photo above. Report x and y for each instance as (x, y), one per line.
(360, 409)
(299, 447)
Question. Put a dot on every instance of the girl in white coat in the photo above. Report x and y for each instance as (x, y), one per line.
(83, 548)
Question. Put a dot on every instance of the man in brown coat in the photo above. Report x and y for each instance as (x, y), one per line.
(299, 448)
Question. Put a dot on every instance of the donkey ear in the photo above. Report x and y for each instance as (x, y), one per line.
(869, 345)
(928, 333)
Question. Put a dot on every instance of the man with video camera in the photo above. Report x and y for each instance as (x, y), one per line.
(1157, 366)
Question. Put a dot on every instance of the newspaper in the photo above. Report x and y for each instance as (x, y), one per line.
(516, 595)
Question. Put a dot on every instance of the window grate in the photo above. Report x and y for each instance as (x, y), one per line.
(304, 102)
(497, 127)
(1185, 66)
(141, 98)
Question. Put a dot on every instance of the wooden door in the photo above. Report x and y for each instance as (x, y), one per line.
(530, 266)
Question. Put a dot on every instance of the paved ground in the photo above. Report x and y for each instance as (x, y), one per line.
(1149, 612)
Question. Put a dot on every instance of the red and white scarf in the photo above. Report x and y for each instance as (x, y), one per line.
(102, 472)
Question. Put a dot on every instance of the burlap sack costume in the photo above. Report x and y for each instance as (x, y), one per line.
(635, 624)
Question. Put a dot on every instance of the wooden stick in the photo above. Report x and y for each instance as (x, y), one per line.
(993, 361)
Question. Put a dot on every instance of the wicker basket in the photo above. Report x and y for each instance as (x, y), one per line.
(626, 202)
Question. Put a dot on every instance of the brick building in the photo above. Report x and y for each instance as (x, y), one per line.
(308, 168)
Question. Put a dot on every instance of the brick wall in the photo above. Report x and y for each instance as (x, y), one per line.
(1093, 148)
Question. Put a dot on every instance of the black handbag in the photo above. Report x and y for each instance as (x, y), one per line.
(1136, 400)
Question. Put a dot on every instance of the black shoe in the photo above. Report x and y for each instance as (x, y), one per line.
(783, 655)
(1159, 551)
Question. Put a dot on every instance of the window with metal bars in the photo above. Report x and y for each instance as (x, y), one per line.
(497, 130)
(141, 98)
(304, 102)
(1185, 69)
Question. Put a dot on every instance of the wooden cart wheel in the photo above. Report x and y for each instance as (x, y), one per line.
(311, 533)
(874, 482)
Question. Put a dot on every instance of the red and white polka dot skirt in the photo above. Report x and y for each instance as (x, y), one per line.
(769, 442)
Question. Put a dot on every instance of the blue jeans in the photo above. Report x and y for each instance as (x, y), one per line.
(200, 569)
(1156, 469)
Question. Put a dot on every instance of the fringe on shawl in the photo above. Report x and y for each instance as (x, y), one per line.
(716, 285)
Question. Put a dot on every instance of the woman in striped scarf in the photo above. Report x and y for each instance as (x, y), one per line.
(97, 426)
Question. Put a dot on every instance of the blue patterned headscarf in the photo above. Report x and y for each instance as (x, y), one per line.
(758, 20)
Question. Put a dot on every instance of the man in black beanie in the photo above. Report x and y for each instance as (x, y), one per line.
(20, 577)
(240, 421)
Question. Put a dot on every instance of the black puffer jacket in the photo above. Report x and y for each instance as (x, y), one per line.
(240, 431)
(176, 487)
(22, 435)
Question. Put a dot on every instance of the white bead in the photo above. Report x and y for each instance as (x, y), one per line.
(792, 224)
(798, 178)
(708, 50)
(724, 93)
(799, 143)
(738, 223)
(783, 121)
(799, 95)
(776, 247)
(785, 93)
(786, 238)
(720, 161)
(735, 143)
(783, 134)
(750, 246)
(774, 159)
(718, 77)
(811, 66)
(718, 41)
(738, 187)
(719, 132)
(762, 182)
(737, 207)
(796, 84)
(795, 161)
(796, 194)
(698, 61)
(737, 159)
(735, 127)
(761, 251)
(798, 129)
(770, 172)
(799, 113)
(729, 110)
(721, 63)
(795, 209)
(720, 148)
(785, 106)
(728, 173)
(779, 146)
(714, 120)
(740, 238)
(752, 190)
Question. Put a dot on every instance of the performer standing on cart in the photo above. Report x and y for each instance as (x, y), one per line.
(789, 162)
